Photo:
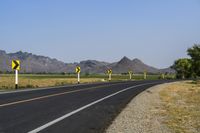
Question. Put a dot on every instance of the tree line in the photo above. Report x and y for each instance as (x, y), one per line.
(189, 67)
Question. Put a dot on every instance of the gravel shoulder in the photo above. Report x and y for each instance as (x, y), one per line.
(142, 114)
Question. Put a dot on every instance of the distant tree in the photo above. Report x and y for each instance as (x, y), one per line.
(183, 68)
(124, 73)
(63, 73)
(194, 53)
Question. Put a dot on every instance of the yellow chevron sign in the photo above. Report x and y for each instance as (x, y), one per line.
(109, 71)
(15, 64)
(130, 72)
(78, 69)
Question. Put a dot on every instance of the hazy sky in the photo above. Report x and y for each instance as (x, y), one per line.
(155, 31)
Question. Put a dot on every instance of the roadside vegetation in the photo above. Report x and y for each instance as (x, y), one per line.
(167, 108)
(7, 81)
(181, 101)
(181, 107)
(189, 67)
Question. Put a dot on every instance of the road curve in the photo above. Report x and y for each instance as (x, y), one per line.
(72, 109)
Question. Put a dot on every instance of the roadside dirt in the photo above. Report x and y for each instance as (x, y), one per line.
(150, 112)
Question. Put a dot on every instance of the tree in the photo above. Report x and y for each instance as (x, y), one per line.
(183, 68)
(194, 53)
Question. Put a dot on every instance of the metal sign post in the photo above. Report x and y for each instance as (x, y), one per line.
(78, 78)
(145, 75)
(109, 74)
(16, 79)
(130, 74)
(163, 76)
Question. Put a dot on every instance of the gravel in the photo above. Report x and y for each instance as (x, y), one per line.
(141, 115)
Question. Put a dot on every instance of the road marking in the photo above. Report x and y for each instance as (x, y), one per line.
(53, 95)
(82, 108)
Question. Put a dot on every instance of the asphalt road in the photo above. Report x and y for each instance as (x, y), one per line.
(88, 108)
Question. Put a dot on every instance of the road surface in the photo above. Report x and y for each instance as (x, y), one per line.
(87, 108)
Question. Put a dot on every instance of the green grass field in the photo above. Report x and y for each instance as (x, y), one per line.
(7, 81)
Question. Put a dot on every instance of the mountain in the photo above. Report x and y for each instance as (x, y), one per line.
(122, 66)
(31, 63)
(93, 66)
(4, 61)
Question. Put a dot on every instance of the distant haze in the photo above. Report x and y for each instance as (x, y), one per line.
(157, 32)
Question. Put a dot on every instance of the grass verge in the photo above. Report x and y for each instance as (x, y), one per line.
(8, 82)
(181, 105)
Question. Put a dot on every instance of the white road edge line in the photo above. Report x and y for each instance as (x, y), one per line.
(82, 108)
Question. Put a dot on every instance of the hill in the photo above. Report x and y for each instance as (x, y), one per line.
(31, 63)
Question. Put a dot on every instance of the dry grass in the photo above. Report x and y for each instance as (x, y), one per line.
(8, 82)
(181, 105)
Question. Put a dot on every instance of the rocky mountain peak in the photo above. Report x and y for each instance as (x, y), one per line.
(125, 60)
(20, 54)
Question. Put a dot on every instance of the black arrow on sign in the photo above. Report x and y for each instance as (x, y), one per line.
(16, 64)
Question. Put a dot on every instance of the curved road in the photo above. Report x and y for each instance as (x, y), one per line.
(86, 108)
